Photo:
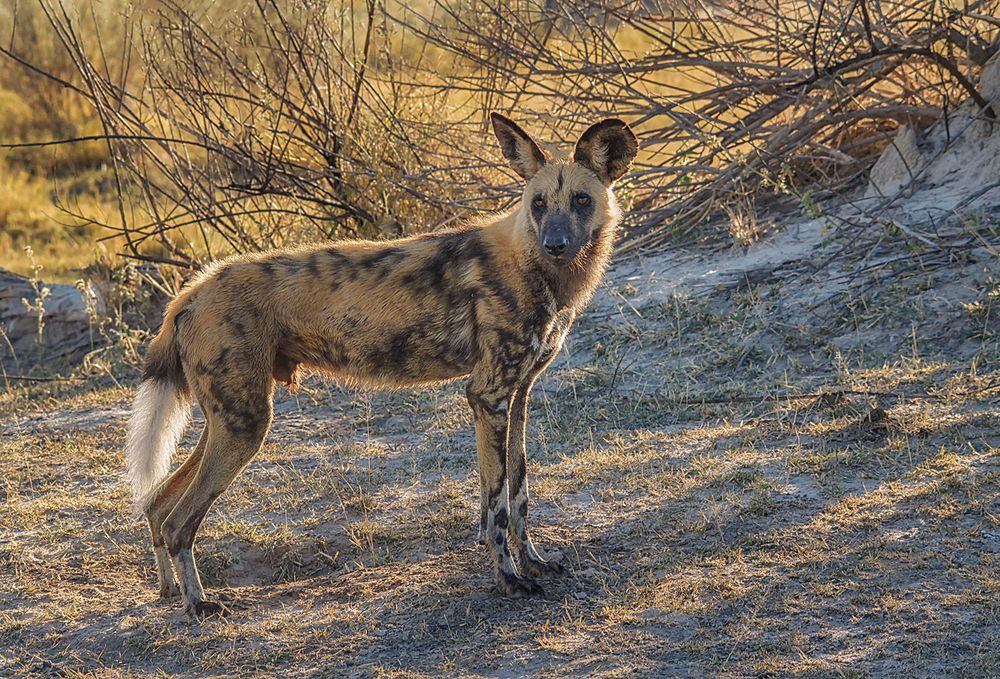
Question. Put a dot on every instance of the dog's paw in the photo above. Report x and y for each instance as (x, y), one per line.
(169, 590)
(207, 609)
(518, 587)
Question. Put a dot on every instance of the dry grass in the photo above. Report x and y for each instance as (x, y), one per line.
(36, 185)
(853, 536)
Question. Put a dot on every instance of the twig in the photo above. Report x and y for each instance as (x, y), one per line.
(832, 393)
(25, 378)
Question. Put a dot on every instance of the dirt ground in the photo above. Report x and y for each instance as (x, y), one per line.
(715, 517)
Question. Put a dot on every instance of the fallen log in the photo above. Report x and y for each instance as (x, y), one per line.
(43, 321)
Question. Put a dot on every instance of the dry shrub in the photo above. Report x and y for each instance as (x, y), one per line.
(733, 101)
(274, 124)
(286, 121)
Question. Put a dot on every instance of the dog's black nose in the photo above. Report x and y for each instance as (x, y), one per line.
(556, 244)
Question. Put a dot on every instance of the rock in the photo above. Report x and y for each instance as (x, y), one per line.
(66, 334)
(957, 160)
(897, 166)
(989, 81)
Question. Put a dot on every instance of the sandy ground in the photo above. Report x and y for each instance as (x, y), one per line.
(845, 535)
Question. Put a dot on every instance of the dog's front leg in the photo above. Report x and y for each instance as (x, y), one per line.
(489, 399)
(529, 561)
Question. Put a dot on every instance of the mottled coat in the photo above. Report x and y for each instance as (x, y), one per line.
(492, 301)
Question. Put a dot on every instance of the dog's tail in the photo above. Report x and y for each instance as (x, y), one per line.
(159, 414)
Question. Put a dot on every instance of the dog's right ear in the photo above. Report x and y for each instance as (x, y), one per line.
(518, 148)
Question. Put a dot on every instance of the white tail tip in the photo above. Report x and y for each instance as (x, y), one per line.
(159, 415)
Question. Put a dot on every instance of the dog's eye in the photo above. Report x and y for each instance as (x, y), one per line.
(538, 201)
(582, 199)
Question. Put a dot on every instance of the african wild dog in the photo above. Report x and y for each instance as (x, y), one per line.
(492, 301)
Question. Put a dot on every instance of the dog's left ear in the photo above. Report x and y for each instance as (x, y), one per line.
(607, 148)
(518, 148)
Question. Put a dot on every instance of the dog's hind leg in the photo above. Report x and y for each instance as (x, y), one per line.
(161, 503)
(238, 420)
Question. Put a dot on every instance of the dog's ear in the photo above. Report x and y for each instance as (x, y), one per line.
(518, 148)
(607, 148)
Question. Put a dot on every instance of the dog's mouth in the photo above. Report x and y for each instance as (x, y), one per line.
(559, 259)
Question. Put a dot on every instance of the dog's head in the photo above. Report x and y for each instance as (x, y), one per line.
(568, 203)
